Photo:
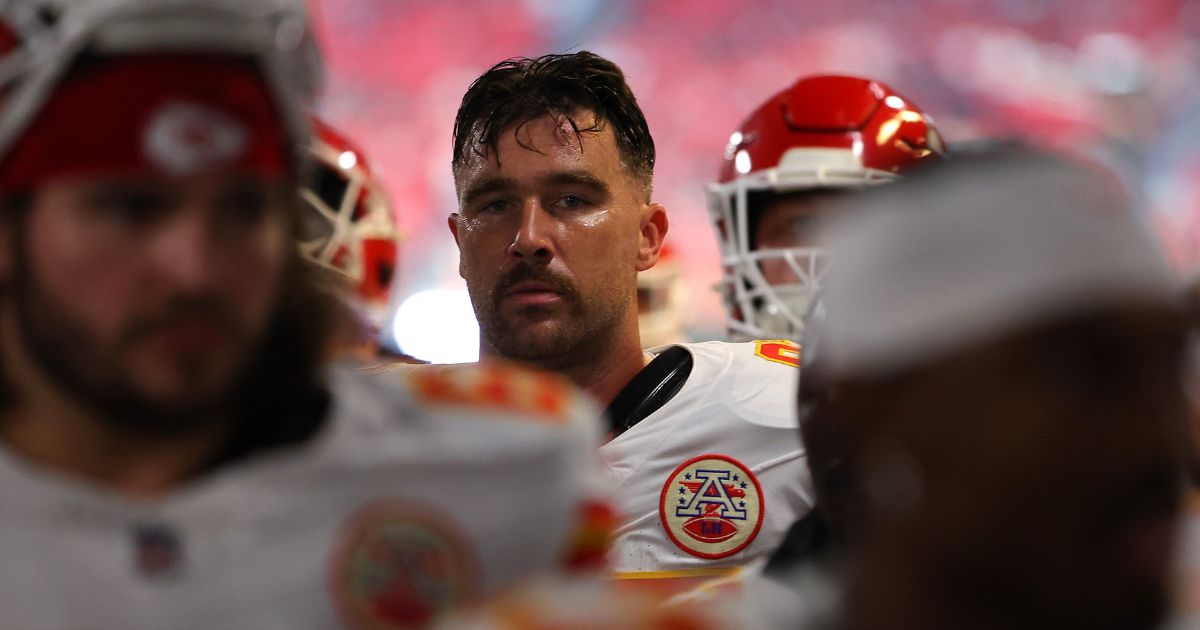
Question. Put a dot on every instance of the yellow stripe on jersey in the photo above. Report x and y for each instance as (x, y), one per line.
(706, 572)
(667, 585)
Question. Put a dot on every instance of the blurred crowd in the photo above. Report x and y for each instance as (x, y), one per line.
(1117, 79)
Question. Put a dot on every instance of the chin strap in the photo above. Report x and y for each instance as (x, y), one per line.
(808, 538)
(649, 390)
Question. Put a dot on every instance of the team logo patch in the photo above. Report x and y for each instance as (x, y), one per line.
(711, 506)
(779, 351)
(400, 567)
(184, 138)
(158, 552)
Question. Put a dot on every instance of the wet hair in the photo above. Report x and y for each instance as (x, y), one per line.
(516, 91)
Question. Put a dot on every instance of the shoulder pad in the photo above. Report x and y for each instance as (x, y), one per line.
(496, 386)
(762, 380)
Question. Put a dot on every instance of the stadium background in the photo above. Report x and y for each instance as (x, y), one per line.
(1113, 79)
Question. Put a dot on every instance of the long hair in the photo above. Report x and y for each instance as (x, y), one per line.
(286, 400)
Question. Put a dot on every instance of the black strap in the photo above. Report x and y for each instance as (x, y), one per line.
(650, 389)
(807, 539)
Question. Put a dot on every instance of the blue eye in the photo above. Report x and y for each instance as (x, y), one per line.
(496, 206)
(571, 201)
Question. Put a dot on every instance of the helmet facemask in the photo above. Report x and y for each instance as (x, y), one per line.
(349, 227)
(767, 291)
(822, 133)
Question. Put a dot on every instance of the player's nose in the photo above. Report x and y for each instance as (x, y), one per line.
(534, 238)
(184, 252)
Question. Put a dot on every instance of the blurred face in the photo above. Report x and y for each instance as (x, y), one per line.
(1043, 471)
(147, 297)
(788, 221)
(552, 230)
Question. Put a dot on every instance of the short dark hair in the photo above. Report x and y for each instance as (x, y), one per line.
(519, 90)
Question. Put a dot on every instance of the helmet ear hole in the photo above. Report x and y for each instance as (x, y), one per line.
(384, 272)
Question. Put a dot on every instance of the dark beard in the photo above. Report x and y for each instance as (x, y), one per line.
(595, 325)
(62, 347)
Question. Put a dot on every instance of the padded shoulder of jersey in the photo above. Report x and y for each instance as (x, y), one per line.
(755, 380)
(492, 390)
(484, 413)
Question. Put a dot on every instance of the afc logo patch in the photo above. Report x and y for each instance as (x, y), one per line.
(711, 506)
(399, 566)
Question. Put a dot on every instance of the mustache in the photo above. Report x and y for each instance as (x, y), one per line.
(525, 272)
(185, 310)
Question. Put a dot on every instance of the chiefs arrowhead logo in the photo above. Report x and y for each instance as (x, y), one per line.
(400, 565)
(184, 138)
(711, 506)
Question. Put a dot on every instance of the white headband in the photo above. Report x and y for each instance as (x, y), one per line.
(983, 246)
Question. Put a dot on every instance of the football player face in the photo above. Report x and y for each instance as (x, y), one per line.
(552, 229)
(146, 296)
(1051, 464)
(788, 221)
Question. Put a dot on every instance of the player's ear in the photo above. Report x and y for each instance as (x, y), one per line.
(452, 222)
(653, 231)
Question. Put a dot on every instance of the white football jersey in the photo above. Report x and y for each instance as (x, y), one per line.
(715, 477)
(420, 492)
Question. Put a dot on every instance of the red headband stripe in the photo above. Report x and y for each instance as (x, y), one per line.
(172, 115)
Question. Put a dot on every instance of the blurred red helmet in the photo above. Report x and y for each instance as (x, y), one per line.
(822, 132)
(136, 42)
(662, 301)
(349, 222)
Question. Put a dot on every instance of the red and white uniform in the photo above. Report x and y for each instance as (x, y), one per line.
(715, 477)
(422, 491)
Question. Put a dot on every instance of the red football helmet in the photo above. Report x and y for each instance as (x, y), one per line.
(822, 132)
(350, 226)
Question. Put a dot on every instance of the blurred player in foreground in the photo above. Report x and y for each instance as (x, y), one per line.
(553, 164)
(791, 159)
(992, 408)
(174, 451)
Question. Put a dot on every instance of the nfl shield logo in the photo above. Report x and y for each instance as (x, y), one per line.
(157, 552)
